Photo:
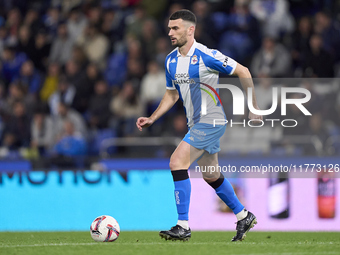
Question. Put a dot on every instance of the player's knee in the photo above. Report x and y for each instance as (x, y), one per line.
(175, 164)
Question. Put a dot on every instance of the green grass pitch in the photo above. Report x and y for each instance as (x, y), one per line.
(285, 243)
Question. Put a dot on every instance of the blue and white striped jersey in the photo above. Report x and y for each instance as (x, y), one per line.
(195, 76)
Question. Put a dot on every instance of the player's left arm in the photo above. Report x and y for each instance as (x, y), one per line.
(215, 61)
(247, 82)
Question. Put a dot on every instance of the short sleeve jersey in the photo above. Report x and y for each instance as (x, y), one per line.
(194, 76)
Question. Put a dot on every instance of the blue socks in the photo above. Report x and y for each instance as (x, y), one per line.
(226, 192)
(182, 193)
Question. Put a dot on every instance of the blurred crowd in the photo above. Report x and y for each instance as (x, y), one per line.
(76, 72)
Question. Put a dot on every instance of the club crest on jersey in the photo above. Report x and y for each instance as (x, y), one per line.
(194, 60)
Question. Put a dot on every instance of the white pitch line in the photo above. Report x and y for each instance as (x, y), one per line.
(170, 243)
(45, 244)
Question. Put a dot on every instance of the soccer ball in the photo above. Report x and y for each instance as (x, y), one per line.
(104, 229)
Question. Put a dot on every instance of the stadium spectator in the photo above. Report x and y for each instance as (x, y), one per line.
(41, 131)
(76, 23)
(329, 32)
(18, 126)
(174, 7)
(135, 70)
(154, 9)
(241, 36)
(3, 95)
(62, 46)
(84, 88)
(65, 93)
(274, 16)
(50, 83)
(107, 26)
(69, 149)
(152, 87)
(29, 77)
(51, 21)
(149, 38)
(134, 23)
(9, 148)
(25, 42)
(116, 70)
(73, 73)
(3, 39)
(13, 23)
(32, 20)
(94, 15)
(79, 56)
(95, 45)
(40, 51)
(17, 93)
(204, 19)
(71, 143)
(162, 50)
(315, 59)
(127, 107)
(272, 60)
(136, 61)
(99, 107)
(65, 113)
(68, 7)
(11, 63)
(113, 25)
(300, 41)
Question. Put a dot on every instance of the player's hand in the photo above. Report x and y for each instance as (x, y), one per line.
(143, 122)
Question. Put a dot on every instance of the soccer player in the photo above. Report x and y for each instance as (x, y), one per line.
(186, 67)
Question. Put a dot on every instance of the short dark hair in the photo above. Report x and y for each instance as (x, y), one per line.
(184, 15)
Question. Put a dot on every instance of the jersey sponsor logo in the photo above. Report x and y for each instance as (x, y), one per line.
(183, 78)
(194, 60)
(181, 75)
(214, 52)
(225, 63)
(173, 60)
(184, 81)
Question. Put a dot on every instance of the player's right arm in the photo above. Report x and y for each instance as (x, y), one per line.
(169, 99)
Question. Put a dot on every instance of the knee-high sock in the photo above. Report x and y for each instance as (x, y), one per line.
(182, 193)
(226, 192)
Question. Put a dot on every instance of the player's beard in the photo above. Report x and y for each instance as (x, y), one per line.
(181, 41)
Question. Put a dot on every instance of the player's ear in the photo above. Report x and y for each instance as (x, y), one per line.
(191, 30)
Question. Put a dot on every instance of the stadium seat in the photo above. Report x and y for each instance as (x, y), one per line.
(97, 140)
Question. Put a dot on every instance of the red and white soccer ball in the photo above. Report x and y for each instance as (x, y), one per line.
(104, 229)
